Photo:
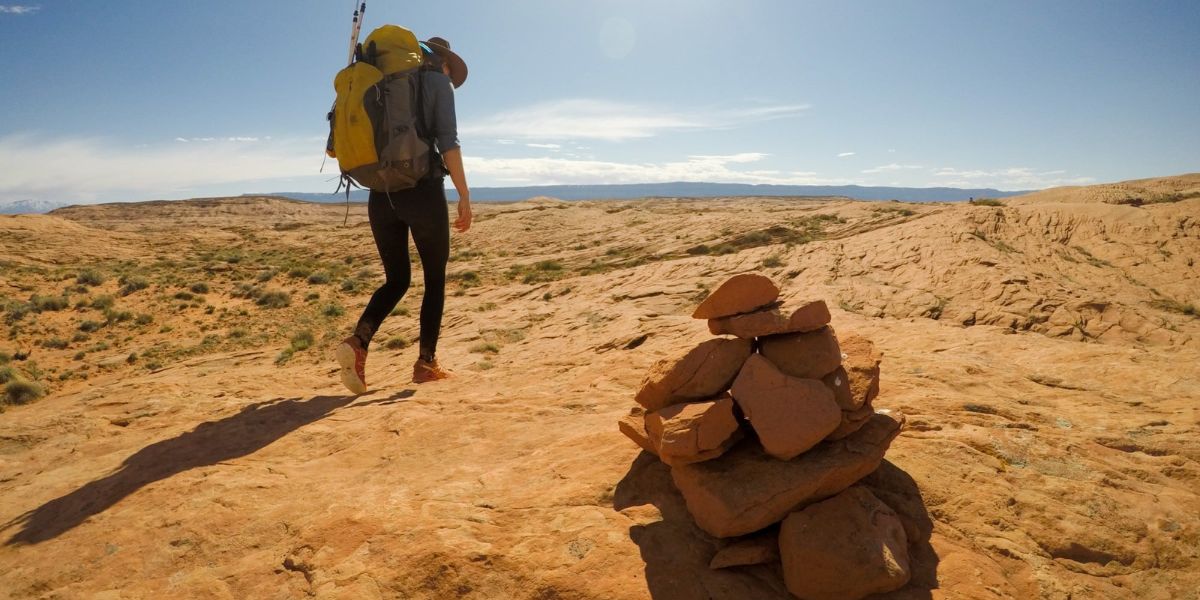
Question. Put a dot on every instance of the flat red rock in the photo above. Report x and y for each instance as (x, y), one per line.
(692, 432)
(810, 316)
(746, 489)
(809, 355)
(790, 415)
(702, 372)
(844, 548)
(739, 294)
(633, 426)
(753, 550)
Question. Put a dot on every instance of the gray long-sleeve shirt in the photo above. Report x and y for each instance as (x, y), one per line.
(440, 122)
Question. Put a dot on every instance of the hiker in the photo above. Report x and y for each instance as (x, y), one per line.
(420, 210)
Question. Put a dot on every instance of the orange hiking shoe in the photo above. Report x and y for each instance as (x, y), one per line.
(353, 359)
(425, 371)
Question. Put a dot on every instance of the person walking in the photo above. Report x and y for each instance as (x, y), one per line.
(421, 211)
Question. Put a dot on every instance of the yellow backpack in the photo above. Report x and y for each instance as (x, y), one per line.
(376, 129)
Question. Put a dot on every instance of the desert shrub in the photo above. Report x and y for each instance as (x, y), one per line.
(239, 332)
(396, 343)
(1176, 306)
(5, 358)
(274, 299)
(15, 311)
(103, 302)
(185, 296)
(303, 341)
(144, 319)
(312, 297)
(349, 285)
(55, 343)
(80, 355)
(117, 316)
(8, 374)
(548, 265)
(299, 272)
(773, 261)
(466, 278)
(49, 303)
(319, 278)
(90, 326)
(699, 250)
(986, 202)
(266, 276)
(80, 337)
(199, 288)
(485, 348)
(19, 391)
(246, 290)
(90, 277)
(333, 310)
(132, 358)
(132, 284)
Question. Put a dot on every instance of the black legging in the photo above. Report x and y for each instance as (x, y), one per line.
(421, 210)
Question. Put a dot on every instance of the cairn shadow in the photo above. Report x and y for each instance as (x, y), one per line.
(251, 429)
(677, 552)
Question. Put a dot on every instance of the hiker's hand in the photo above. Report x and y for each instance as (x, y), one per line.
(463, 222)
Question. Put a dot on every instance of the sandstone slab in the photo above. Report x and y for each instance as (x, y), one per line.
(790, 415)
(702, 372)
(810, 316)
(747, 489)
(851, 421)
(633, 426)
(860, 367)
(694, 431)
(739, 294)
(844, 548)
(809, 355)
(753, 550)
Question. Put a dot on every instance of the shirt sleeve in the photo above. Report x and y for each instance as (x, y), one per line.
(445, 123)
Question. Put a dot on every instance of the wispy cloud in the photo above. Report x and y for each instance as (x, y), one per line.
(845, 154)
(891, 167)
(17, 9)
(85, 170)
(223, 139)
(1011, 178)
(613, 121)
(721, 169)
(546, 146)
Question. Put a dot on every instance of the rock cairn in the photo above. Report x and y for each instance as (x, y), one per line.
(776, 425)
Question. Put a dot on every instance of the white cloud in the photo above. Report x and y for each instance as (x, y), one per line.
(546, 146)
(223, 139)
(1011, 178)
(891, 167)
(86, 170)
(845, 154)
(613, 121)
(17, 9)
(720, 169)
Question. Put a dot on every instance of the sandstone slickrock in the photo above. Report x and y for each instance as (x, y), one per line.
(633, 426)
(694, 431)
(844, 548)
(753, 550)
(739, 294)
(790, 415)
(851, 421)
(810, 316)
(809, 355)
(746, 489)
(703, 372)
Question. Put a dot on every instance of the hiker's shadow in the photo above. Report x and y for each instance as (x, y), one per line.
(677, 552)
(251, 429)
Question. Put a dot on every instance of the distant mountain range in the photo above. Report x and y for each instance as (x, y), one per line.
(684, 189)
(627, 192)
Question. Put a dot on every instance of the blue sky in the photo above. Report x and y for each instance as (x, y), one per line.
(139, 99)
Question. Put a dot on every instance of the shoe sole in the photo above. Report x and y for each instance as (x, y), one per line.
(345, 358)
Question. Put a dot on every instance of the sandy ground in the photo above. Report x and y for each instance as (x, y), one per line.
(1042, 350)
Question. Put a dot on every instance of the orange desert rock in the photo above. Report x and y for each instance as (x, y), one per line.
(633, 426)
(860, 361)
(790, 415)
(694, 431)
(753, 550)
(844, 548)
(739, 294)
(810, 316)
(703, 372)
(810, 355)
(851, 421)
(746, 489)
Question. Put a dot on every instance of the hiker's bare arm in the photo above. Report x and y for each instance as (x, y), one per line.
(458, 176)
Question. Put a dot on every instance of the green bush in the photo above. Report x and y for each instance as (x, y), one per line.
(19, 391)
(199, 288)
(185, 296)
(103, 302)
(55, 343)
(49, 303)
(319, 278)
(986, 202)
(144, 319)
(274, 299)
(8, 374)
(266, 276)
(396, 343)
(349, 285)
(132, 284)
(246, 290)
(299, 272)
(333, 310)
(302, 341)
(90, 277)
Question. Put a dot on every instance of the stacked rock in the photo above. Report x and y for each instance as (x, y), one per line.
(803, 401)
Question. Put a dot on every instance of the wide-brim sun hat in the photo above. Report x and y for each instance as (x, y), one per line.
(458, 67)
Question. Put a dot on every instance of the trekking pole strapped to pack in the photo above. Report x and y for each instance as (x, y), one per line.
(359, 14)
